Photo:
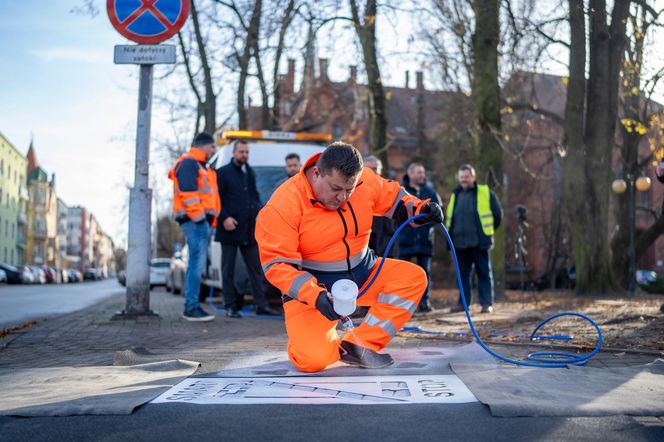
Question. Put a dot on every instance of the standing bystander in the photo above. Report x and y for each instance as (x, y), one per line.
(418, 242)
(237, 189)
(195, 207)
(473, 215)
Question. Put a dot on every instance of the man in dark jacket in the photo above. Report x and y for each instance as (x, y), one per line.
(473, 214)
(382, 228)
(417, 242)
(237, 223)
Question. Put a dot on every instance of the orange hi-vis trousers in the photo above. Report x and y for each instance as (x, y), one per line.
(313, 342)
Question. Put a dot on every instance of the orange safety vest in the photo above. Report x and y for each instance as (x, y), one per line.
(201, 202)
(295, 231)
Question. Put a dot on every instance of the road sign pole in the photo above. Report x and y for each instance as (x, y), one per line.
(140, 200)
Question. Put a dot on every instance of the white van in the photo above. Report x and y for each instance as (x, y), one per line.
(267, 153)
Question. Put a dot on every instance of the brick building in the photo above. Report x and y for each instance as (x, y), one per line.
(434, 127)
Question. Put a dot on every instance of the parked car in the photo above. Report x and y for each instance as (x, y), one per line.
(175, 277)
(75, 275)
(39, 276)
(158, 270)
(90, 275)
(51, 275)
(63, 275)
(16, 275)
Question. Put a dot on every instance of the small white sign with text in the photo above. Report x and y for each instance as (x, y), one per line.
(144, 54)
(355, 390)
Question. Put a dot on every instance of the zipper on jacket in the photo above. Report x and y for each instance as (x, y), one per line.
(344, 240)
(354, 218)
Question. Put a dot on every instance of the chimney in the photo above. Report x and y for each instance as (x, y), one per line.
(407, 79)
(419, 80)
(353, 74)
(290, 76)
(322, 64)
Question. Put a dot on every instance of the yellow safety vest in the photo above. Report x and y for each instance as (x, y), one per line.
(483, 209)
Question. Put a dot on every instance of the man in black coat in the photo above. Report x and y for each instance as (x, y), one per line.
(240, 204)
(417, 242)
(382, 228)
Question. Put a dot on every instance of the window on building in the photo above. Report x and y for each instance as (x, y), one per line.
(6, 227)
(2, 167)
(12, 254)
(13, 231)
(5, 249)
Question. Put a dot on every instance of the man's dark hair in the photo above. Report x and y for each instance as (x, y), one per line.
(239, 141)
(342, 157)
(467, 167)
(203, 139)
(292, 156)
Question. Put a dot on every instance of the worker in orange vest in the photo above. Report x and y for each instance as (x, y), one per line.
(196, 206)
(314, 231)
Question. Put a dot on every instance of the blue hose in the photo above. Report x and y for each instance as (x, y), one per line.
(545, 359)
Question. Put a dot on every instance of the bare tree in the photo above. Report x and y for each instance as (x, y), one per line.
(639, 117)
(590, 122)
(365, 26)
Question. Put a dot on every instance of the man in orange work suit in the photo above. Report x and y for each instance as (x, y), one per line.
(313, 232)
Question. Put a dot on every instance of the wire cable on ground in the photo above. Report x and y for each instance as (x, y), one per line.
(544, 359)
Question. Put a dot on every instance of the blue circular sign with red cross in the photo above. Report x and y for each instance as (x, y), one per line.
(147, 21)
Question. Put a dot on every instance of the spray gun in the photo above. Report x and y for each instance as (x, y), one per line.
(343, 296)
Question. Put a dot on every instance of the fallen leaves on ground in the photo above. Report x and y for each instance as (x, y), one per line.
(633, 323)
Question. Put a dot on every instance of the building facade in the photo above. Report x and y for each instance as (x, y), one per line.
(41, 245)
(13, 194)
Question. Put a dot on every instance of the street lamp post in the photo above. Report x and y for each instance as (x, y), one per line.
(631, 183)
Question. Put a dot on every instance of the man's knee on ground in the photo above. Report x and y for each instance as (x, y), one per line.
(314, 359)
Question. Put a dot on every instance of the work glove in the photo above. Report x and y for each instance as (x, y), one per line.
(325, 307)
(433, 214)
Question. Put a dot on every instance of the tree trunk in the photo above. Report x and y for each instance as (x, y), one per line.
(276, 93)
(366, 32)
(252, 36)
(487, 124)
(635, 110)
(588, 164)
(209, 105)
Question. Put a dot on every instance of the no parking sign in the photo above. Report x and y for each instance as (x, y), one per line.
(147, 21)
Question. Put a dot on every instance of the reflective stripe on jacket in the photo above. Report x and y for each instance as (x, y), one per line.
(295, 232)
(201, 203)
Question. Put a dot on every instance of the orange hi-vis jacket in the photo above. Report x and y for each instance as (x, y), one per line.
(202, 202)
(297, 236)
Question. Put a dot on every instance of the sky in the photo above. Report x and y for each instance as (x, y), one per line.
(61, 90)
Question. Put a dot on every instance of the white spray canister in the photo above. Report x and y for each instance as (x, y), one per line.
(344, 296)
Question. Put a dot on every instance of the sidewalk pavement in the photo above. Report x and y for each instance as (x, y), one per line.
(91, 338)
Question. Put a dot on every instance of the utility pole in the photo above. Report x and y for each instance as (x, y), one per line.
(140, 202)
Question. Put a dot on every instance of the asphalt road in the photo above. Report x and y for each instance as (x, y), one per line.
(21, 303)
(460, 422)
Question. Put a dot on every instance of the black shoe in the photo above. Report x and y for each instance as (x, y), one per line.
(424, 307)
(363, 357)
(231, 313)
(197, 315)
(267, 311)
